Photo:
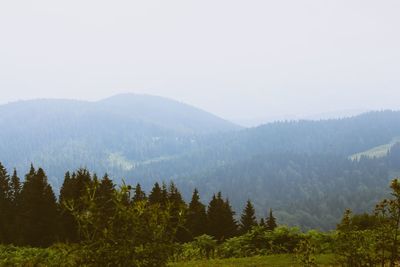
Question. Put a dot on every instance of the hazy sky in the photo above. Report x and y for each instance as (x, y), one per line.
(237, 59)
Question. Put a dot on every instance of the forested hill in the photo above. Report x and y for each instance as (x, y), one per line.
(108, 135)
(304, 170)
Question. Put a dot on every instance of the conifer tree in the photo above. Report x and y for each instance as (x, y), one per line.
(221, 223)
(177, 209)
(68, 225)
(5, 206)
(156, 195)
(139, 194)
(73, 189)
(262, 222)
(248, 218)
(38, 210)
(196, 217)
(15, 206)
(271, 221)
(104, 198)
(164, 194)
(15, 188)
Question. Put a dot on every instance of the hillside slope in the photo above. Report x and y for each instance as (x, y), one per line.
(108, 135)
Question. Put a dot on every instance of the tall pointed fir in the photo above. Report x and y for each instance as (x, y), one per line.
(271, 221)
(5, 206)
(177, 209)
(38, 210)
(72, 191)
(104, 198)
(156, 195)
(248, 218)
(196, 217)
(16, 187)
(139, 194)
(220, 219)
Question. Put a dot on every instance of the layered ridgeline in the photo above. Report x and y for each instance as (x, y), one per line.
(307, 171)
(113, 135)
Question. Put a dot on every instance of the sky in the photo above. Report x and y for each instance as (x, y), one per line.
(247, 61)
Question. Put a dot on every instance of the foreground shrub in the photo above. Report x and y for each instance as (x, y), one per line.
(59, 255)
(129, 234)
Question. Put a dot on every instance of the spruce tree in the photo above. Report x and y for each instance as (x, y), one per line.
(248, 218)
(5, 206)
(196, 217)
(220, 218)
(271, 221)
(15, 206)
(156, 195)
(68, 193)
(139, 194)
(104, 198)
(177, 210)
(38, 210)
(15, 188)
(72, 191)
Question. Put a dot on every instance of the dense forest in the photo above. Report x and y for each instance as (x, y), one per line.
(308, 172)
(96, 223)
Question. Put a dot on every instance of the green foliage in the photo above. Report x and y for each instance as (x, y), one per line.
(305, 253)
(270, 223)
(134, 234)
(38, 211)
(55, 256)
(371, 239)
(248, 218)
(220, 218)
(196, 217)
(139, 194)
(5, 206)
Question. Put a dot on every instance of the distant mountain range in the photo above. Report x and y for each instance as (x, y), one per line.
(67, 134)
(306, 171)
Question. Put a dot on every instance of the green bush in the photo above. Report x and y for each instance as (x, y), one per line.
(58, 255)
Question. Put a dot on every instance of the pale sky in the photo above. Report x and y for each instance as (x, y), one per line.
(237, 59)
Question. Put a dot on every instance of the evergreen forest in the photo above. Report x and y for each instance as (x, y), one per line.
(95, 222)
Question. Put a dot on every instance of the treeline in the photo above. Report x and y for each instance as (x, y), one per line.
(31, 215)
(95, 223)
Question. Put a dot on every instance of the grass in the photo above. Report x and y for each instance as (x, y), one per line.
(259, 261)
(376, 152)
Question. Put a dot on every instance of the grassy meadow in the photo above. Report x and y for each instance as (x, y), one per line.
(283, 260)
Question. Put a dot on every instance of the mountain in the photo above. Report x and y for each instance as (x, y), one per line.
(108, 135)
(302, 169)
(307, 171)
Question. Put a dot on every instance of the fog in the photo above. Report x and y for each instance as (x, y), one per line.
(247, 61)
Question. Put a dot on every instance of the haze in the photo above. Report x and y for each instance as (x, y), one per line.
(247, 61)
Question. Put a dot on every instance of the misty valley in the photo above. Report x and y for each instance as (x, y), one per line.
(138, 180)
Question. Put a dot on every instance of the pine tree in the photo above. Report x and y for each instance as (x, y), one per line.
(104, 198)
(248, 218)
(139, 195)
(220, 218)
(68, 225)
(156, 195)
(15, 188)
(72, 191)
(38, 210)
(15, 206)
(271, 221)
(5, 206)
(262, 222)
(196, 217)
(177, 209)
